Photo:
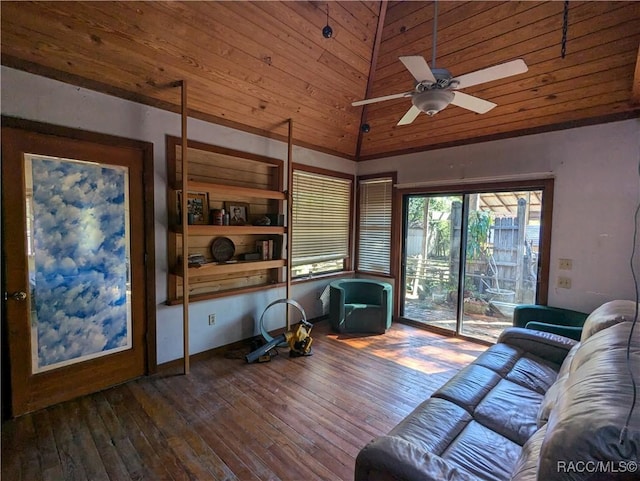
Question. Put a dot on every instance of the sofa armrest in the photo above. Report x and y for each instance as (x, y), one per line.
(566, 331)
(387, 305)
(395, 459)
(546, 345)
(336, 305)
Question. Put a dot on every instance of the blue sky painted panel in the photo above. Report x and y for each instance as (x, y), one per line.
(80, 276)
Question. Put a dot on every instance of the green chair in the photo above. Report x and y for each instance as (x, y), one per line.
(360, 305)
(556, 320)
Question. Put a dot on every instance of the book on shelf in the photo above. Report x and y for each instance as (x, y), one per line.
(193, 260)
(266, 249)
(277, 248)
(270, 246)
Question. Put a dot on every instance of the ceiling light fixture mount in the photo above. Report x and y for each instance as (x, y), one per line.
(432, 101)
(327, 31)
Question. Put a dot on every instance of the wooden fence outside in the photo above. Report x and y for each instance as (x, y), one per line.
(507, 271)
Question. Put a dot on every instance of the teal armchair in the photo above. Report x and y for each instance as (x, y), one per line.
(556, 320)
(360, 305)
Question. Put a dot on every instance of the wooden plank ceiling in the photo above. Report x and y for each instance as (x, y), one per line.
(253, 65)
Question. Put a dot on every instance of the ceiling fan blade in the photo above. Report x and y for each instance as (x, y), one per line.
(472, 103)
(419, 68)
(489, 74)
(410, 116)
(381, 99)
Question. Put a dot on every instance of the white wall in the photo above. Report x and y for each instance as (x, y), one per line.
(36, 98)
(597, 188)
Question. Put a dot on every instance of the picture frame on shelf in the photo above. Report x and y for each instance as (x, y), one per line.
(197, 207)
(238, 212)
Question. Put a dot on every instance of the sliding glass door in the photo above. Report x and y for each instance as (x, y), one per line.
(469, 258)
(431, 259)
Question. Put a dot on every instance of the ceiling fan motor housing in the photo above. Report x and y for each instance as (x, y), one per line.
(432, 101)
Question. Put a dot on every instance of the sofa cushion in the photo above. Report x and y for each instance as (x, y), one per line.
(469, 386)
(550, 400)
(601, 345)
(586, 423)
(500, 358)
(483, 452)
(389, 458)
(568, 361)
(510, 410)
(533, 373)
(607, 315)
(551, 396)
(526, 468)
(433, 425)
(502, 389)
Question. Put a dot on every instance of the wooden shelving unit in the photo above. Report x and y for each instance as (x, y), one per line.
(226, 176)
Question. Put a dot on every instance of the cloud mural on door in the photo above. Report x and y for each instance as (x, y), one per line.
(79, 273)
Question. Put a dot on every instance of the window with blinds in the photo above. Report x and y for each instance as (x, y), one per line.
(374, 225)
(321, 223)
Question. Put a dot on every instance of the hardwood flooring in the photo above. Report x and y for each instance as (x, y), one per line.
(288, 419)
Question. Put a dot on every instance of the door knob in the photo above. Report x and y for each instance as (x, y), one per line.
(16, 296)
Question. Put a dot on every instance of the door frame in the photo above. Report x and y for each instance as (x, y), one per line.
(146, 150)
(544, 184)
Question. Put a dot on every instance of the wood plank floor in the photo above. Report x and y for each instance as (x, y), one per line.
(288, 419)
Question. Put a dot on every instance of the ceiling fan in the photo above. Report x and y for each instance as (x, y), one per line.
(435, 88)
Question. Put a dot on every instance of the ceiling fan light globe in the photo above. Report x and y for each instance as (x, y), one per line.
(432, 101)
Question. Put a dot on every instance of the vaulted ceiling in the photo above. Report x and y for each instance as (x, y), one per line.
(253, 65)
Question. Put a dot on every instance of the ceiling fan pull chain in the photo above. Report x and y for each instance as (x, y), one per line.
(565, 26)
(435, 33)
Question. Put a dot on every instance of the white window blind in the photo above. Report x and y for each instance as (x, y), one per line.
(321, 212)
(374, 243)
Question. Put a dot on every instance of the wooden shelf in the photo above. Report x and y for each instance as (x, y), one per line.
(231, 229)
(232, 190)
(223, 293)
(214, 268)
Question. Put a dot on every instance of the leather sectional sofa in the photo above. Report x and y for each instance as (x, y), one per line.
(534, 406)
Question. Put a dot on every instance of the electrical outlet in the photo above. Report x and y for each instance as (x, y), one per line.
(565, 264)
(212, 319)
(564, 282)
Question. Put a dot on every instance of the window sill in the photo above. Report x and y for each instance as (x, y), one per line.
(374, 274)
(319, 277)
